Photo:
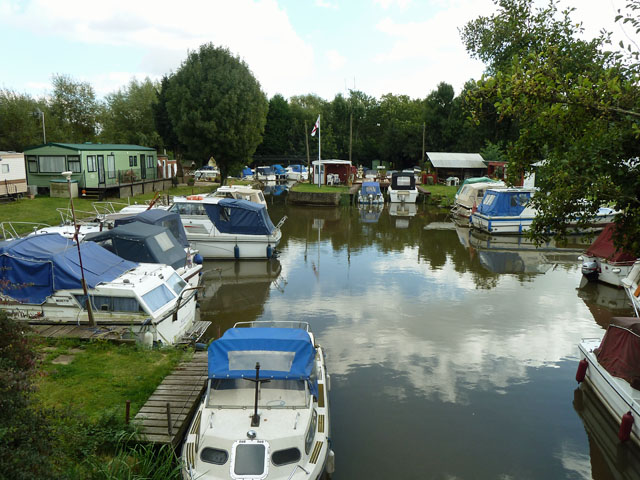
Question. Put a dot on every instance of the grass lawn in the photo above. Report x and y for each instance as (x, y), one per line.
(102, 376)
(42, 209)
(442, 192)
(313, 188)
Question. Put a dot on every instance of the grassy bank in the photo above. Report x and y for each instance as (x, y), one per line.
(441, 194)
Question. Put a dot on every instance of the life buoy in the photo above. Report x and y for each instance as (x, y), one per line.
(194, 197)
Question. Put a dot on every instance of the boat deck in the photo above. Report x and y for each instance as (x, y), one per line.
(167, 413)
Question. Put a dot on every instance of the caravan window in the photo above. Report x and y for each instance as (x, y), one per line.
(32, 161)
(111, 166)
(91, 163)
(5, 168)
(51, 163)
(74, 163)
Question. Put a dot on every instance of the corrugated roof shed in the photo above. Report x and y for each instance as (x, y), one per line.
(456, 160)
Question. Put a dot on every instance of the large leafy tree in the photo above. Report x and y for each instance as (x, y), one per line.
(277, 132)
(577, 107)
(74, 106)
(217, 108)
(20, 120)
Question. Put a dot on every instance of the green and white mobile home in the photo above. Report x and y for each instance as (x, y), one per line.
(96, 167)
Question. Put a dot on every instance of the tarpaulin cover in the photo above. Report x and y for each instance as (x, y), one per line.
(283, 353)
(619, 351)
(370, 188)
(504, 203)
(603, 247)
(476, 180)
(141, 242)
(279, 169)
(34, 267)
(247, 172)
(399, 180)
(298, 168)
(240, 217)
(161, 217)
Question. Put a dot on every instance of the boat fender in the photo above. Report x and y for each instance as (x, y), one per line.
(625, 427)
(201, 347)
(331, 463)
(197, 259)
(147, 339)
(582, 370)
(269, 251)
(236, 252)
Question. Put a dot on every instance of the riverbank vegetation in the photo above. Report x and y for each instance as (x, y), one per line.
(63, 405)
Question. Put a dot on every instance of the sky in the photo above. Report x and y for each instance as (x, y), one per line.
(293, 47)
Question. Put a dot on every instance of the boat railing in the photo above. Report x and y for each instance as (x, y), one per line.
(13, 230)
(295, 469)
(107, 208)
(66, 216)
(281, 222)
(274, 324)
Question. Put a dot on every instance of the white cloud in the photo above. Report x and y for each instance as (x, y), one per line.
(336, 61)
(386, 4)
(326, 4)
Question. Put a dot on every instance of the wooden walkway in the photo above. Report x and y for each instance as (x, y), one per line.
(85, 332)
(167, 413)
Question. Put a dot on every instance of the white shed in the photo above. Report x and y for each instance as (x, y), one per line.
(13, 175)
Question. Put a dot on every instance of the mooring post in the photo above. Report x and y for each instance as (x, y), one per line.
(169, 424)
(127, 411)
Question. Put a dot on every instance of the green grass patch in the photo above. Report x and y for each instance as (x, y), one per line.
(312, 188)
(441, 194)
(102, 376)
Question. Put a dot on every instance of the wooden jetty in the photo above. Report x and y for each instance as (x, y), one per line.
(84, 332)
(167, 413)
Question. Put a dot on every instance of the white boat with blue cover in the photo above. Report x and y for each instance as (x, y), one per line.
(227, 228)
(509, 211)
(265, 411)
(370, 193)
(297, 172)
(41, 282)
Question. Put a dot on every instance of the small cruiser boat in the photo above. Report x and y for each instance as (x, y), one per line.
(403, 188)
(240, 192)
(41, 282)
(297, 172)
(265, 174)
(370, 193)
(610, 367)
(604, 262)
(265, 412)
(470, 196)
(509, 211)
(227, 228)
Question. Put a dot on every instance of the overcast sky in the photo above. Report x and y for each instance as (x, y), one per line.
(293, 47)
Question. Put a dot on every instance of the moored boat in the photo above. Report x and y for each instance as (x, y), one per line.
(370, 193)
(297, 172)
(603, 262)
(265, 174)
(265, 411)
(403, 188)
(611, 368)
(470, 196)
(240, 192)
(41, 282)
(631, 284)
(227, 228)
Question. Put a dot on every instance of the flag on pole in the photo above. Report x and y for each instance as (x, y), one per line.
(315, 127)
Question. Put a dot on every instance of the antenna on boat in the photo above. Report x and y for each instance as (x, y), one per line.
(92, 322)
(255, 418)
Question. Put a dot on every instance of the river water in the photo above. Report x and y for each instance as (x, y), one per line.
(452, 356)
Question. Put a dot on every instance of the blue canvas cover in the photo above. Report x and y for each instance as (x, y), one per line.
(298, 168)
(247, 172)
(279, 169)
(34, 267)
(370, 188)
(241, 217)
(162, 218)
(283, 353)
(504, 203)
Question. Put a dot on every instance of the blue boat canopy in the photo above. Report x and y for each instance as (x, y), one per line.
(370, 188)
(34, 267)
(162, 218)
(297, 168)
(279, 169)
(504, 203)
(240, 217)
(247, 172)
(283, 354)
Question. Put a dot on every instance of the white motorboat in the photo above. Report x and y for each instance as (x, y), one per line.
(509, 211)
(403, 188)
(297, 172)
(370, 193)
(470, 196)
(227, 228)
(240, 192)
(265, 412)
(631, 284)
(265, 174)
(611, 369)
(41, 282)
(603, 262)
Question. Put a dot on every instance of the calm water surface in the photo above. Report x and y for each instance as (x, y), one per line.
(451, 356)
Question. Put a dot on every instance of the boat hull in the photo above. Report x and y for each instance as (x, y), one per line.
(517, 225)
(597, 269)
(617, 396)
(224, 246)
(403, 196)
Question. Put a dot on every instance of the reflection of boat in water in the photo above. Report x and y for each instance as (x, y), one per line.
(509, 254)
(609, 458)
(610, 367)
(370, 213)
(403, 209)
(604, 301)
(275, 189)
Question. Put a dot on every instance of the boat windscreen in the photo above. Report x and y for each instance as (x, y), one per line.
(240, 392)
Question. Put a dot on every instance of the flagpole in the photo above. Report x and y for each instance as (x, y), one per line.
(319, 150)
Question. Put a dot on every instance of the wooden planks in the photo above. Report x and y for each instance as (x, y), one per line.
(182, 391)
(85, 332)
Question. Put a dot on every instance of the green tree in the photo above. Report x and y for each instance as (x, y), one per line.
(277, 131)
(74, 107)
(20, 120)
(401, 130)
(217, 108)
(577, 107)
(128, 115)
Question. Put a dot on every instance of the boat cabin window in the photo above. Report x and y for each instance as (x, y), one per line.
(403, 181)
(238, 392)
(286, 456)
(176, 283)
(519, 200)
(214, 455)
(158, 297)
(163, 241)
(311, 433)
(105, 303)
(249, 459)
(489, 199)
(188, 209)
(261, 196)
